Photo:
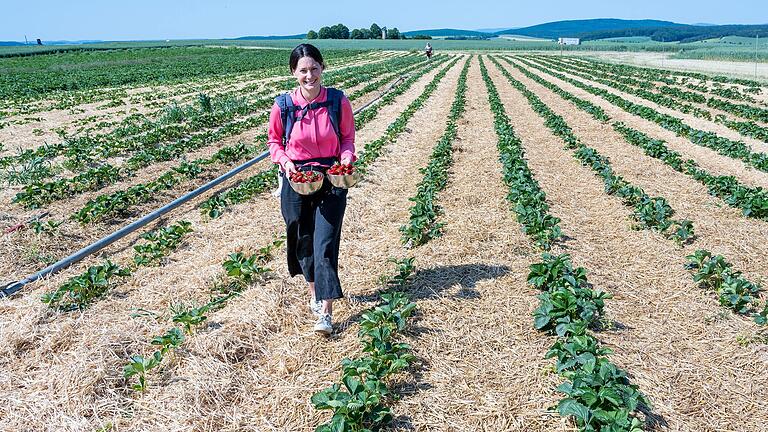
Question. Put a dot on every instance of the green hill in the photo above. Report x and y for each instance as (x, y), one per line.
(573, 28)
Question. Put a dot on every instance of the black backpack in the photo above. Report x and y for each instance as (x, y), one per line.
(290, 113)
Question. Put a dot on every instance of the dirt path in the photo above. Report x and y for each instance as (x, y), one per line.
(91, 348)
(706, 158)
(674, 340)
(482, 361)
(719, 228)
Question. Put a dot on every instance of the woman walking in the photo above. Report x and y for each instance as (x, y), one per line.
(313, 127)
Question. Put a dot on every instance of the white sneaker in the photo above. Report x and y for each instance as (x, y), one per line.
(324, 325)
(316, 306)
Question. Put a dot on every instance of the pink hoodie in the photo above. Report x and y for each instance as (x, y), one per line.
(313, 136)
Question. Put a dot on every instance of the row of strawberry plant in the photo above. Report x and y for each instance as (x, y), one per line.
(422, 225)
(649, 212)
(647, 81)
(121, 201)
(240, 272)
(598, 395)
(685, 78)
(374, 149)
(80, 291)
(628, 85)
(714, 273)
(527, 197)
(724, 146)
(678, 98)
(38, 194)
(266, 179)
(359, 402)
(752, 201)
(138, 132)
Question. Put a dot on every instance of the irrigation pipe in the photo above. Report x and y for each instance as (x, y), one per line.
(13, 287)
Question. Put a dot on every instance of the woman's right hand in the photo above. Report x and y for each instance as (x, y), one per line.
(289, 167)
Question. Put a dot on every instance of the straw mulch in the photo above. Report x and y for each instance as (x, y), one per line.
(675, 341)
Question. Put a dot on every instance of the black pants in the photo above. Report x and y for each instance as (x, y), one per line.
(313, 231)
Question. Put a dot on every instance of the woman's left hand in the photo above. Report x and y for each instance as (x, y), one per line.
(346, 161)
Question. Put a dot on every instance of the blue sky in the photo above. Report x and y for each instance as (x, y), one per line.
(172, 19)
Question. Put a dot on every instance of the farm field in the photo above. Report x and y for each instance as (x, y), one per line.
(540, 242)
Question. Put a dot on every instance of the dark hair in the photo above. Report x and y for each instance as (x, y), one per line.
(305, 50)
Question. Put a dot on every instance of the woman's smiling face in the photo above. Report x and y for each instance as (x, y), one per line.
(308, 72)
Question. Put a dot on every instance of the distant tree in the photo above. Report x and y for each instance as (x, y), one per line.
(356, 34)
(340, 31)
(325, 33)
(311, 34)
(393, 33)
(375, 31)
(366, 33)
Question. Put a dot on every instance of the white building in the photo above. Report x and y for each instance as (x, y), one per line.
(569, 41)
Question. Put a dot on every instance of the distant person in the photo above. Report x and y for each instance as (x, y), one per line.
(428, 50)
(321, 132)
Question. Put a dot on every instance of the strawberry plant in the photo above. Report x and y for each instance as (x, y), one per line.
(160, 243)
(600, 398)
(243, 192)
(139, 365)
(734, 292)
(80, 291)
(598, 394)
(49, 227)
(188, 316)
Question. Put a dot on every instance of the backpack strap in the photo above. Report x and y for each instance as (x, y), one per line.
(287, 115)
(334, 109)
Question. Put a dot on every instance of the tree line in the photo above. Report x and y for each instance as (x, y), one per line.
(340, 31)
